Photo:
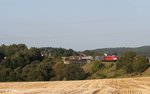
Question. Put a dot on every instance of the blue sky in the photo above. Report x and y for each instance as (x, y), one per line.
(76, 24)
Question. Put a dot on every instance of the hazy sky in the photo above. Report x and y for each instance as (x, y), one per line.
(76, 24)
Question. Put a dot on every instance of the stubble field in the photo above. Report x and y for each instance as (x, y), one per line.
(101, 86)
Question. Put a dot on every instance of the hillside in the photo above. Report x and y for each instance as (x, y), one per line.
(105, 86)
(20, 63)
(145, 50)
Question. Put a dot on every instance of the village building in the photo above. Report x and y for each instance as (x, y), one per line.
(77, 59)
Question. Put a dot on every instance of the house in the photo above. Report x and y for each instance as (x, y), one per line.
(87, 58)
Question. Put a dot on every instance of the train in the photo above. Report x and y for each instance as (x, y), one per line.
(110, 58)
(107, 58)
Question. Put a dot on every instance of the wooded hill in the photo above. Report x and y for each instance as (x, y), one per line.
(144, 50)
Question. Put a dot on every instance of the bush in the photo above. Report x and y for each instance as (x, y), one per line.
(101, 76)
(74, 72)
(140, 63)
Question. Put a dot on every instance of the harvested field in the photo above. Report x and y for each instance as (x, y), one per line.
(104, 86)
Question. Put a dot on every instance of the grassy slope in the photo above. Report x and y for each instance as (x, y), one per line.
(109, 71)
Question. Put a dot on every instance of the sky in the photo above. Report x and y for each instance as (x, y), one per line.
(75, 24)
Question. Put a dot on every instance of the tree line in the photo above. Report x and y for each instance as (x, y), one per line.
(19, 63)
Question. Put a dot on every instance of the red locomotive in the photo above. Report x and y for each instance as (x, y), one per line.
(107, 58)
(110, 57)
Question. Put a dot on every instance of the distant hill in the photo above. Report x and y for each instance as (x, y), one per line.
(144, 50)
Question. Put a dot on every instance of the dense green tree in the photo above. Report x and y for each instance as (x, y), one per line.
(58, 52)
(18, 72)
(37, 71)
(46, 70)
(18, 60)
(1, 56)
(7, 63)
(7, 74)
(69, 52)
(132, 62)
(140, 63)
(35, 54)
(128, 68)
(59, 71)
(125, 59)
(35, 75)
(74, 72)
(26, 71)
